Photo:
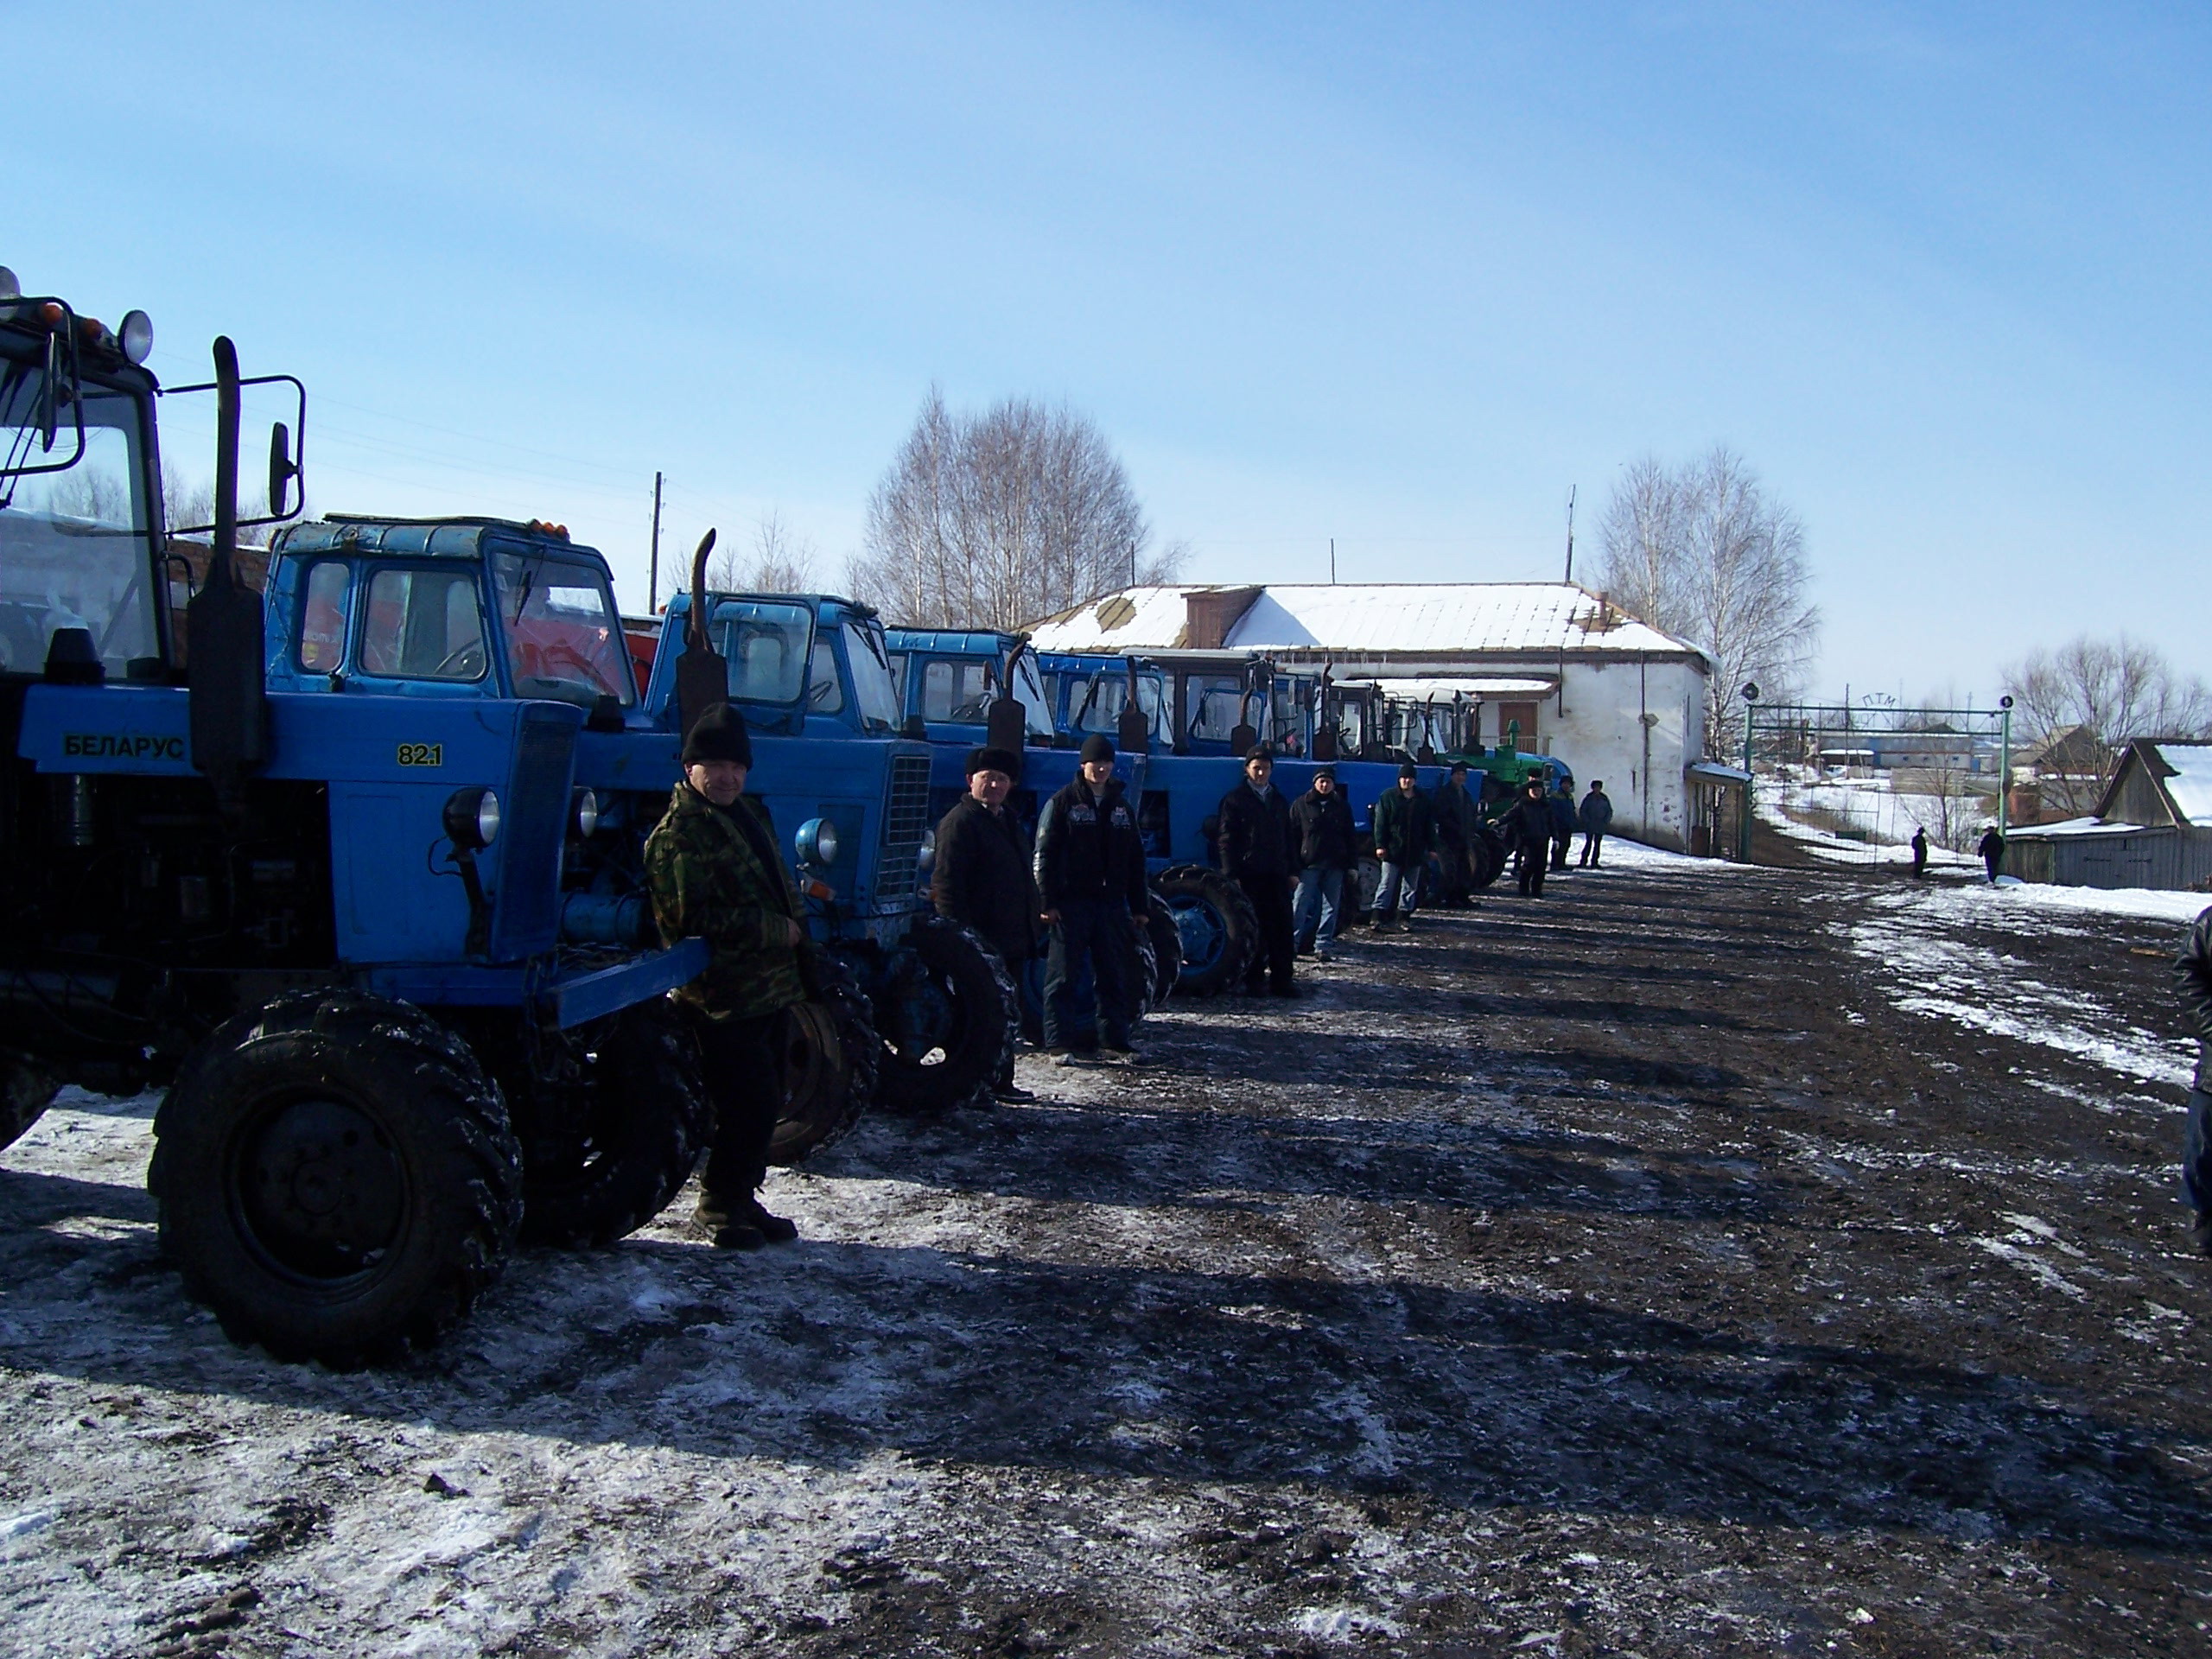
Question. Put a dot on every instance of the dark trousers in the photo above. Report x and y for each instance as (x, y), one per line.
(1271, 963)
(1993, 859)
(1455, 880)
(2197, 1154)
(1093, 932)
(1532, 870)
(1592, 840)
(1561, 839)
(743, 1064)
(1025, 981)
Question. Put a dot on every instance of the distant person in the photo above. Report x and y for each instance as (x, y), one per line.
(1404, 833)
(1257, 853)
(1527, 827)
(1456, 818)
(1561, 801)
(1323, 842)
(1090, 880)
(1597, 817)
(1919, 853)
(2194, 966)
(983, 878)
(1991, 848)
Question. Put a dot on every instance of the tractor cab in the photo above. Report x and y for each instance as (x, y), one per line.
(1089, 692)
(799, 665)
(949, 678)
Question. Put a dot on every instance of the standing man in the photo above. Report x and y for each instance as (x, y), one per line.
(1455, 814)
(1562, 806)
(1404, 833)
(2194, 966)
(1919, 853)
(1322, 840)
(712, 870)
(1597, 816)
(1991, 848)
(1528, 828)
(1256, 854)
(1091, 879)
(984, 878)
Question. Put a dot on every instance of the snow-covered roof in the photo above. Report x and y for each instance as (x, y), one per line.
(1421, 687)
(1353, 618)
(2191, 787)
(2077, 827)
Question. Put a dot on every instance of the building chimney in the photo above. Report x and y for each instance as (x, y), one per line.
(1209, 613)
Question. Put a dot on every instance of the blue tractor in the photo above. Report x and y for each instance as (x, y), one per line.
(331, 928)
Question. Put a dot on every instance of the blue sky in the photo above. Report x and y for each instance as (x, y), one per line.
(1396, 274)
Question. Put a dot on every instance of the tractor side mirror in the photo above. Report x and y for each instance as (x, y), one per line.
(283, 470)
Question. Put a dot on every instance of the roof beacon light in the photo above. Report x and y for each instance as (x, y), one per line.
(9, 288)
(137, 335)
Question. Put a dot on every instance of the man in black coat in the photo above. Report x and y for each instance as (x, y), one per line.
(982, 877)
(1256, 854)
(1991, 848)
(1324, 846)
(1455, 813)
(1405, 834)
(2194, 966)
(1919, 853)
(1597, 816)
(1561, 801)
(1091, 879)
(1528, 828)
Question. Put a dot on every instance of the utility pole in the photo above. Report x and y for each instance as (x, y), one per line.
(1570, 533)
(1332, 561)
(653, 598)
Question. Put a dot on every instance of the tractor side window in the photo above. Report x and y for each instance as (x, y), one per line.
(423, 625)
(323, 616)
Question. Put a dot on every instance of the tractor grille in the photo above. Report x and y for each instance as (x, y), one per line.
(905, 816)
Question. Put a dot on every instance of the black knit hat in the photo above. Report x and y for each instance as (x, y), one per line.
(1259, 752)
(990, 760)
(1098, 746)
(719, 734)
(1407, 769)
(1329, 773)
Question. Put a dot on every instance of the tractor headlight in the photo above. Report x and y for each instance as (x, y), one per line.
(473, 818)
(927, 855)
(817, 842)
(587, 814)
(135, 336)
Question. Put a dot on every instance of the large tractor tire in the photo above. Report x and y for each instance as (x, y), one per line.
(1362, 883)
(949, 1017)
(1166, 947)
(611, 1116)
(1218, 929)
(25, 1093)
(334, 1175)
(831, 1056)
(1145, 966)
(1487, 855)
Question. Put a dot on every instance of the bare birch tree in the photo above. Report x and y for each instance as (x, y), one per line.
(995, 519)
(2113, 690)
(780, 561)
(1703, 553)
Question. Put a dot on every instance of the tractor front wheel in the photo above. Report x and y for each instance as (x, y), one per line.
(830, 1054)
(1214, 924)
(948, 1016)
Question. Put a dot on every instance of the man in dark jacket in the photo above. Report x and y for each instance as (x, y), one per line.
(1561, 801)
(984, 877)
(1322, 835)
(713, 872)
(1405, 834)
(1256, 854)
(1991, 848)
(1091, 879)
(1597, 817)
(1455, 813)
(1527, 829)
(2194, 967)
(1919, 853)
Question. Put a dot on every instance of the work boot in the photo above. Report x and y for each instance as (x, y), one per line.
(730, 1226)
(772, 1229)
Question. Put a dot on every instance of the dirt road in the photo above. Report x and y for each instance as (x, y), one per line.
(1701, 1261)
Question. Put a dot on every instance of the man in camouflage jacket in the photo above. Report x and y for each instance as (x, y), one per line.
(712, 869)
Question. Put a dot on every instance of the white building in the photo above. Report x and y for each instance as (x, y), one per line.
(1620, 703)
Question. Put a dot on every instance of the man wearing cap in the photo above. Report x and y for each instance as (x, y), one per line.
(1253, 829)
(1527, 829)
(1091, 879)
(1323, 841)
(983, 878)
(712, 869)
(1404, 833)
(1597, 817)
(1455, 813)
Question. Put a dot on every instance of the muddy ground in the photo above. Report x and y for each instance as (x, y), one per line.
(1701, 1261)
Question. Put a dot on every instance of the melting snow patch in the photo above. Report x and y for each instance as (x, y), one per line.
(2012, 1254)
(1344, 1624)
(21, 1526)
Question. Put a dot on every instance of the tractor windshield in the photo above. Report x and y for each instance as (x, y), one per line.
(73, 551)
(564, 637)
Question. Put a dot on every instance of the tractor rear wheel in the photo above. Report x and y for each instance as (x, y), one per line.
(611, 1116)
(948, 1017)
(831, 1051)
(1217, 926)
(25, 1093)
(1166, 947)
(1488, 855)
(335, 1177)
